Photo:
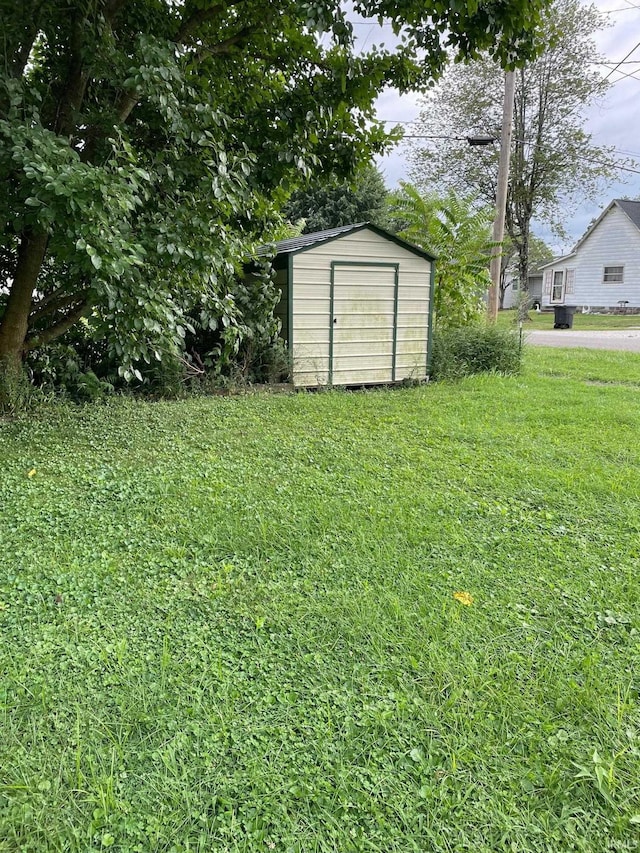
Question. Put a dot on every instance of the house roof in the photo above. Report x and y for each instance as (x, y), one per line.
(556, 260)
(631, 208)
(307, 241)
(628, 206)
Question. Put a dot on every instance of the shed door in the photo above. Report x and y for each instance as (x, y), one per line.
(364, 308)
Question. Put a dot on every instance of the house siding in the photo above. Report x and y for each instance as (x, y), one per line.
(366, 360)
(615, 241)
(512, 297)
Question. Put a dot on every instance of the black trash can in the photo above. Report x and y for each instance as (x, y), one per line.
(563, 316)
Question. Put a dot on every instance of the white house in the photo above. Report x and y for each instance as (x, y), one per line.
(356, 306)
(602, 273)
(513, 293)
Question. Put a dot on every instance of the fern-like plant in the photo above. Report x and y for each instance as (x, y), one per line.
(458, 233)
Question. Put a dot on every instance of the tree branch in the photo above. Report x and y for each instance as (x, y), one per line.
(126, 104)
(76, 86)
(200, 17)
(130, 98)
(58, 329)
(54, 302)
(224, 47)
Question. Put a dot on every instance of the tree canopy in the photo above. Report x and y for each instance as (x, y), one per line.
(145, 146)
(553, 158)
(334, 202)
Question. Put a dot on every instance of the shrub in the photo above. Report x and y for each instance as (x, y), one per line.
(266, 361)
(474, 349)
(75, 368)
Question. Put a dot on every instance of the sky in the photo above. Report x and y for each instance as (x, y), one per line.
(613, 121)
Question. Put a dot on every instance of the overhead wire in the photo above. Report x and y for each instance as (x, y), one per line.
(536, 145)
(587, 159)
(615, 68)
(629, 8)
(452, 138)
(366, 39)
(624, 76)
(619, 151)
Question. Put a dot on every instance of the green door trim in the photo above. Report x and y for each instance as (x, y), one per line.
(394, 356)
(290, 308)
(396, 285)
(432, 293)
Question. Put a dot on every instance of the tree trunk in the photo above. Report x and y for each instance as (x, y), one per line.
(523, 269)
(523, 258)
(15, 320)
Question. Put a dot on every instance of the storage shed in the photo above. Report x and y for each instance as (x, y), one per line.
(356, 306)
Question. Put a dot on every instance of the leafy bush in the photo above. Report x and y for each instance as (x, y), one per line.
(458, 233)
(266, 361)
(213, 353)
(474, 349)
(76, 367)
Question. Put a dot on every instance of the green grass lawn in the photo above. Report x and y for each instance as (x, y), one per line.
(229, 624)
(544, 320)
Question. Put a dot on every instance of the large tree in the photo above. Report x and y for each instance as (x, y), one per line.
(144, 144)
(332, 202)
(553, 158)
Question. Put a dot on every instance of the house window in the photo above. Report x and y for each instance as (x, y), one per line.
(613, 275)
(556, 290)
(514, 286)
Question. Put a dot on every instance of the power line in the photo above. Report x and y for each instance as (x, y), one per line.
(366, 39)
(615, 68)
(627, 153)
(370, 24)
(629, 8)
(450, 138)
(624, 77)
(533, 145)
(586, 159)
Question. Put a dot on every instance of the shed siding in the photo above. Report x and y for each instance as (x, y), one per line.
(369, 359)
(615, 241)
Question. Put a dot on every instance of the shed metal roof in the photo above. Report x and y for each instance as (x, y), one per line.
(302, 241)
(307, 241)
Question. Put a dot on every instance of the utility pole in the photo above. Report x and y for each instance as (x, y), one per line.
(501, 194)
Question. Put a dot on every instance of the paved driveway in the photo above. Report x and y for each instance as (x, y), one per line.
(627, 339)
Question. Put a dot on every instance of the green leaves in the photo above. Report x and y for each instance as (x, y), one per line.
(331, 203)
(152, 143)
(457, 232)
